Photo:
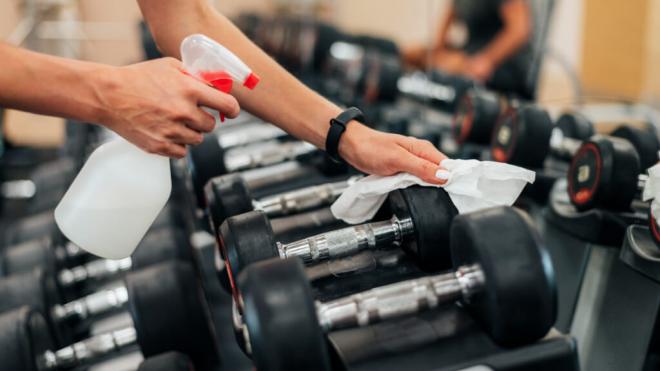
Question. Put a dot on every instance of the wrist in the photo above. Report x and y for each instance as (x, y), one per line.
(350, 140)
(102, 81)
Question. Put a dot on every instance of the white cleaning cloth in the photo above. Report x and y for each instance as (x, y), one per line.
(472, 185)
(652, 191)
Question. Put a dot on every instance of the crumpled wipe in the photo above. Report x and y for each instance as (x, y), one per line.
(472, 185)
(652, 191)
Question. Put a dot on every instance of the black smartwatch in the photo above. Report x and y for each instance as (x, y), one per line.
(337, 128)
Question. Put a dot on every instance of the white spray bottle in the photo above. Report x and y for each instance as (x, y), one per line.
(121, 189)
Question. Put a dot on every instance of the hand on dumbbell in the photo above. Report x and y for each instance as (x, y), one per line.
(375, 152)
(504, 280)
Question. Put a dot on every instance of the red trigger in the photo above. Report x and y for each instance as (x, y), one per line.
(219, 80)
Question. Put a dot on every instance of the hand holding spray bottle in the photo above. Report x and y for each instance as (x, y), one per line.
(121, 189)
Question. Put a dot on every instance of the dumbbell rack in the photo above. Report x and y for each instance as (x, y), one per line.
(448, 337)
(609, 295)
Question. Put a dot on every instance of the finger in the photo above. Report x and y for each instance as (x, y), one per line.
(421, 168)
(424, 149)
(217, 100)
(173, 150)
(201, 121)
(181, 134)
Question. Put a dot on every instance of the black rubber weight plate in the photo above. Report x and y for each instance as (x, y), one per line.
(247, 238)
(226, 196)
(206, 162)
(171, 314)
(24, 336)
(170, 361)
(281, 317)
(518, 302)
(432, 212)
(644, 141)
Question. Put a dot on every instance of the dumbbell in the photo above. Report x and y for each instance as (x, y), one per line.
(42, 225)
(526, 136)
(420, 222)
(375, 75)
(606, 173)
(230, 195)
(169, 313)
(28, 326)
(286, 228)
(476, 114)
(298, 43)
(209, 160)
(156, 246)
(28, 228)
(43, 290)
(42, 189)
(505, 280)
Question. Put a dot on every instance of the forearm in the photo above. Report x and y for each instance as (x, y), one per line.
(280, 98)
(443, 30)
(49, 85)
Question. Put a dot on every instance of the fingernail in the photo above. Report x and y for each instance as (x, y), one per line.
(442, 174)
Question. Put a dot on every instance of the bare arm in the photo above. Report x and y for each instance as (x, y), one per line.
(151, 104)
(443, 30)
(48, 85)
(283, 100)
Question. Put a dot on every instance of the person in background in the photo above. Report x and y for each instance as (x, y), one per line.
(157, 107)
(496, 43)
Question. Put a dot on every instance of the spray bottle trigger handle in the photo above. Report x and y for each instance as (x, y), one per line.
(220, 80)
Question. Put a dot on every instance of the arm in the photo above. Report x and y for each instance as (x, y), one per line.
(151, 104)
(283, 100)
(443, 30)
(517, 29)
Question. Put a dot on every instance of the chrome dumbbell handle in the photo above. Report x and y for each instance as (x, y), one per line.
(91, 305)
(94, 270)
(304, 198)
(641, 181)
(265, 153)
(563, 145)
(419, 86)
(247, 134)
(69, 251)
(87, 350)
(347, 241)
(18, 189)
(263, 175)
(399, 299)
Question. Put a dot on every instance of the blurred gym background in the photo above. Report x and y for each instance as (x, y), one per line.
(596, 50)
